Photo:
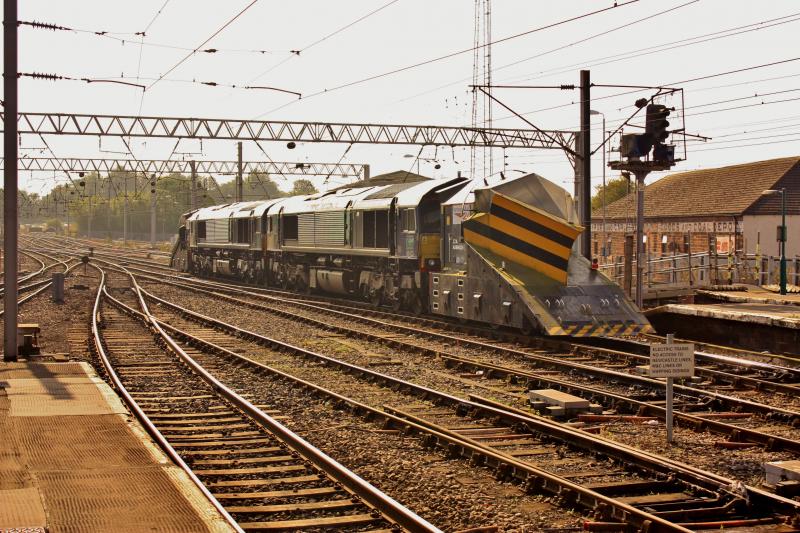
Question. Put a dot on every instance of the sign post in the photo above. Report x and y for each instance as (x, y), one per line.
(670, 361)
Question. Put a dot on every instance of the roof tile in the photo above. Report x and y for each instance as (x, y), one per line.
(715, 191)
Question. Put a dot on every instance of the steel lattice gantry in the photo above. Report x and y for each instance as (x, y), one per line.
(150, 166)
(263, 130)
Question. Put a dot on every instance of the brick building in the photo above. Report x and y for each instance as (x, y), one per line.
(721, 208)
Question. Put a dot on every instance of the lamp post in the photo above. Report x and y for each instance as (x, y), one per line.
(603, 195)
(781, 234)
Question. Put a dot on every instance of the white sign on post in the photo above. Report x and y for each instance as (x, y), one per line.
(671, 360)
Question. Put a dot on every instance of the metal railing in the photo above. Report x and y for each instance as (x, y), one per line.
(705, 269)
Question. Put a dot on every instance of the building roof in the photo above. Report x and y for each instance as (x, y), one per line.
(723, 191)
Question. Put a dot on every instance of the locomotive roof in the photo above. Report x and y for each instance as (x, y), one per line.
(376, 197)
(530, 189)
(373, 197)
(233, 210)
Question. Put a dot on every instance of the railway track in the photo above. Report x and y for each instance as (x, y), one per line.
(700, 409)
(720, 371)
(424, 415)
(788, 360)
(613, 481)
(260, 475)
(701, 406)
(36, 288)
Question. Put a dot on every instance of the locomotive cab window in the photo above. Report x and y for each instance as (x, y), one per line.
(376, 229)
(290, 227)
(242, 231)
(201, 229)
(408, 220)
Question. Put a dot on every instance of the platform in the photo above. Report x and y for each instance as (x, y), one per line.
(750, 325)
(73, 459)
(754, 295)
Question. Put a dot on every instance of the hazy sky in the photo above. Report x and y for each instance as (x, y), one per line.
(256, 49)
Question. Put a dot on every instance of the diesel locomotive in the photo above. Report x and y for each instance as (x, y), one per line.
(500, 252)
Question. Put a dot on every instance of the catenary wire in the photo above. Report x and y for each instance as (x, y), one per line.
(296, 53)
(559, 48)
(455, 54)
(201, 45)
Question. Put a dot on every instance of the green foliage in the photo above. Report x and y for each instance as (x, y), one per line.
(53, 224)
(615, 189)
(255, 186)
(104, 200)
(303, 186)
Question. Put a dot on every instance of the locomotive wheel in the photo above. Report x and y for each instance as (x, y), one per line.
(416, 305)
(376, 298)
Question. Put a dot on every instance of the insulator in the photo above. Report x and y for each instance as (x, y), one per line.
(44, 25)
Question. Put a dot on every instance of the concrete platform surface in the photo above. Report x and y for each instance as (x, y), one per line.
(754, 294)
(772, 315)
(72, 459)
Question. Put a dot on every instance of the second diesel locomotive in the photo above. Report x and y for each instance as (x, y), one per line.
(502, 253)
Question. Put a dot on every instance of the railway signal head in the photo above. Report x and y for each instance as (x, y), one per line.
(664, 153)
(635, 145)
(657, 123)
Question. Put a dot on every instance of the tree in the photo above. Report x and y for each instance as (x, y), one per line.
(53, 224)
(255, 186)
(615, 189)
(303, 186)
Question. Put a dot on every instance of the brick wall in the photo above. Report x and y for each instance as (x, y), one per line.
(675, 243)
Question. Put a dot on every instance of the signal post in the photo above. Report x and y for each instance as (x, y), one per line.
(635, 151)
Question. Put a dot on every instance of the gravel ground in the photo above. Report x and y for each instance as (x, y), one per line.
(696, 448)
(64, 327)
(449, 493)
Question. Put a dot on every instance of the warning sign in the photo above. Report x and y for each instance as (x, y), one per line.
(671, 360)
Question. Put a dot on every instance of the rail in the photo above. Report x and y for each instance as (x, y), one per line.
(390, 508)
(139, 413)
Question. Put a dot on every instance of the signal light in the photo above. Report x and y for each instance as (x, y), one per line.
(635, 145)
(664, 152)
(657, 123)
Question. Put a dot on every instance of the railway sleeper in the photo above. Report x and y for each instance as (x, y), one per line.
(436, 442)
